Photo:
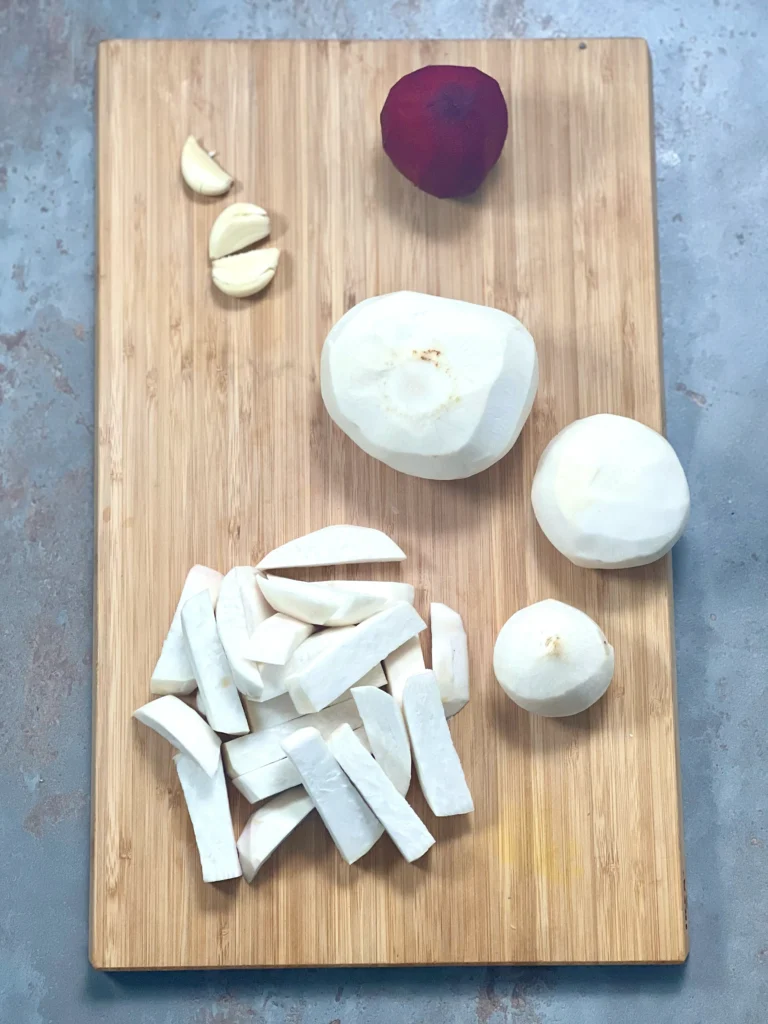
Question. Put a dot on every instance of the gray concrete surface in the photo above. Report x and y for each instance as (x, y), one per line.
(711, 71)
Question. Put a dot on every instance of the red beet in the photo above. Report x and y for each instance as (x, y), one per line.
(444, 128)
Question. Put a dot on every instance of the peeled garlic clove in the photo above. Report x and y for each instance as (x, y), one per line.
(236, 227)
(245, 273)
(201, 172)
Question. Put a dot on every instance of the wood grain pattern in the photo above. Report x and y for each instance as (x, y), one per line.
(213, 446)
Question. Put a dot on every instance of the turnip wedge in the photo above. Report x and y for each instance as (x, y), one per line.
(276, 638)
(321, 606)
(214, 676)
(404, 662)
(173, 672)
(208, 806)
(334, 545)
(319, 683)
(239, 610)
(268, 826)
(184, 729)
(385, 728)
(450, 658)
(353, 827)
(437, 763)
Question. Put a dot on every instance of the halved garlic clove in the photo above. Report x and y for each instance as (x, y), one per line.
(245, 273)
(201, 172)
(236, 227)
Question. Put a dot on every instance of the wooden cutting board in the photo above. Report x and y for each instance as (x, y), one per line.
(213, 446)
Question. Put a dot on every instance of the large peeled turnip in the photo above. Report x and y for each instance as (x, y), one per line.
(610, 493)
(433, 387)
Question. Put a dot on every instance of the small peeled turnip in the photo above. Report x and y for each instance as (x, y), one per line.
(610, 493)
(552, 659)
(433, 387)
(444, 127)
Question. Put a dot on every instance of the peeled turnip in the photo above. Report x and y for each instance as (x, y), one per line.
(450, 657)
(334, 545)
(553, 659)
(610, 493)
(173, 672)
(432, 387)
(184, 729)
(319, 605)
(239, 610)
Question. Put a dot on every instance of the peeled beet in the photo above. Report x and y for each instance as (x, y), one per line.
(444, 128)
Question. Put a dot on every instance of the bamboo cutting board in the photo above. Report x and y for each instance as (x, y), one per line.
(213, 446)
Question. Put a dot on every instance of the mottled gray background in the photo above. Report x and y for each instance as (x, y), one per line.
(710, 73)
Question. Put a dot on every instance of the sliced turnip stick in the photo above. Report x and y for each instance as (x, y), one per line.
(275, 677)
(437, 763)
(275, 640)
(259, 748)
(184, 729)
(391, 592)
(450, 658)
(407, 830)
(320, 682)
(334, 545)
(322, 606)
(208, 806)
(240, 609)
(384, 726)
(214, 676)
(274, 778)
(173, 672)
(347, 817)
(401, 664)
(268, 826)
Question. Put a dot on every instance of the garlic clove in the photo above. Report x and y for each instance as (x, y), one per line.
(236, 227)
(201, 172)
(245, 273)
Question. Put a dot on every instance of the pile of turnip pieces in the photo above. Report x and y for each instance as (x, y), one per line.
(325, 692)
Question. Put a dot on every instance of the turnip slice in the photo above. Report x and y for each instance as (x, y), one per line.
(184, 729)
(406, 828)
(214, 676)
(259, 748)
(610, 492)
(322, 606)
(173, 672)
(404, 662)
(391, 592)
(553, 659)
(319, 683)
(275, 676)
(437, 763)
(268, 826)
(450, 658)
(353, 827)
(208, 806)
(275, 640)
(334, 545)
(274, 778)
(240, 609)
(268, 713)
(200, 704)
(385, 728)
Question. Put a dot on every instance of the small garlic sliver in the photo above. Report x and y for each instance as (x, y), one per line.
(245, 273)
(201, 172)
(236, 227)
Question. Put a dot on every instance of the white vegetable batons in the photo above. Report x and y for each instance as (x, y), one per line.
(433, 387)
(173, 672)
(450, 657)
(268, 826)
(385, 728)
(266, 714)
(319, 683)
(404, 662)
(321, 606)
(437, 763)
(408, 831)
(239, 610)
(184, 729)
(334, 545)
(391, 592)
(259, 748)
(208, 806)
(275, 640)
(353, 827)
(275, 677)
(214, 676)
(274, 778)
(609, 492)
(553, 659)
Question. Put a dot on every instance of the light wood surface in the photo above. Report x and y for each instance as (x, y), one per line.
(213, 446)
